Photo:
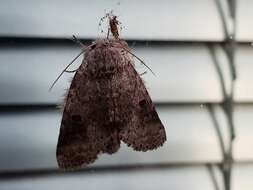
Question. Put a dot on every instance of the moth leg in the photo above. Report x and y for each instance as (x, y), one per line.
(78, 41)
(108, 32)
(70, 71)
(145, 72)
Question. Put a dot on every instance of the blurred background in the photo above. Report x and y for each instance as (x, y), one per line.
(202, 55)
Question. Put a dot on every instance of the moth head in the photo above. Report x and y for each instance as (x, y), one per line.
(113, 20)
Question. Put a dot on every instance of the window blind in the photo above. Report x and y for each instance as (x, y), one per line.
(186, 45)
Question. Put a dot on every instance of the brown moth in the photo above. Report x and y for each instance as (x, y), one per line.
(107, 103)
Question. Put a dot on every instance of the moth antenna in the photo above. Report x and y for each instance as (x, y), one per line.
(67, 68)
(74, 38)
(145, 72)
(102, 20)
(133, 44)
(140, 60)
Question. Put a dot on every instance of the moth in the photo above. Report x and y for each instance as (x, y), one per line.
(107, 103)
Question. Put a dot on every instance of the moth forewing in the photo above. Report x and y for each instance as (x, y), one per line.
(107, 103)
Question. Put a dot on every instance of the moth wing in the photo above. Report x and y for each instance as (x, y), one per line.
(144, 131)
(84, 132)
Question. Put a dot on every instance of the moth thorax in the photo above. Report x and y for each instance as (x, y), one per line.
(103, 71)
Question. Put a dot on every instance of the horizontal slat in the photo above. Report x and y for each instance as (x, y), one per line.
(166, 19)
(244, 20)
(244, 66)
(28, 139)
(241, 178)
(244, 142)
(30, 19)
(147, 179)
(34, 136)
(185, 72)
(194, 178)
